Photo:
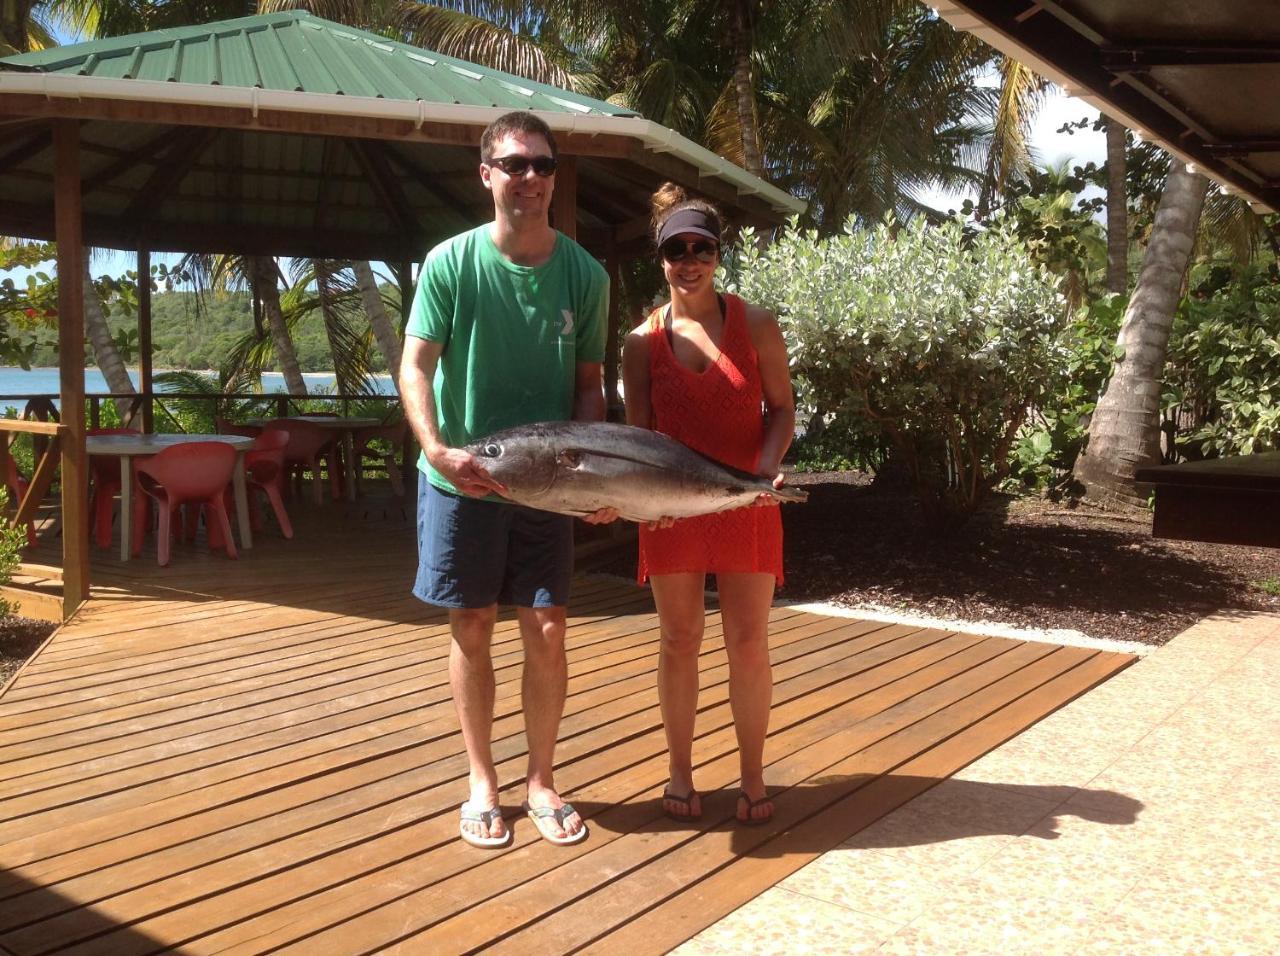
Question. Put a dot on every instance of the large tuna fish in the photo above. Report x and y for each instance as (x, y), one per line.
(580, 467)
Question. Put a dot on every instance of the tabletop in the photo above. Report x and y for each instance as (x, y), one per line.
(151, 444)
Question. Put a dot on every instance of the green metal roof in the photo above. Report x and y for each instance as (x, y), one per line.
(295, 51)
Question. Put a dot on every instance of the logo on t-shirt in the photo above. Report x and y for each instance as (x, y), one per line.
(568, 322)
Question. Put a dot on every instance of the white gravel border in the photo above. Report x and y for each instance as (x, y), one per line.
(1062, 636)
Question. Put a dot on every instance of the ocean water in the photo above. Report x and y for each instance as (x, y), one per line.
(44, 381)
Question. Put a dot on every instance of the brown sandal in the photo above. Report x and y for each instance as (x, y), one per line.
(687, 800)
(751, 821)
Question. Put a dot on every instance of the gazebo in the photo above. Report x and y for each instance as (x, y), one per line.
(289, 135)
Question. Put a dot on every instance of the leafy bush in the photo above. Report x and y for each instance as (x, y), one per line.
(12, 541)
(1049, 442)
(1223, 372)
(938, 339)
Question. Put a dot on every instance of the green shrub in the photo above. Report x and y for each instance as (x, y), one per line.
(937, 339)
(1224, 366)
(12, 541)
(1049, 442)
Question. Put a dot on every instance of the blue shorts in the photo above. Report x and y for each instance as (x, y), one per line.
(474, 553)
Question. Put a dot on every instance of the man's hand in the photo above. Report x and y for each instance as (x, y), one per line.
(603, 516)
(666, 521)
(466, 473)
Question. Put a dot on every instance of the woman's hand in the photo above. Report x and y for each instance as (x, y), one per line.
(769, 501)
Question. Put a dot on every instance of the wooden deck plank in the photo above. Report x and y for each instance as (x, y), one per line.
(253, 755)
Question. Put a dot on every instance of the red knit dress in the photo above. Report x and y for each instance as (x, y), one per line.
(719, 412)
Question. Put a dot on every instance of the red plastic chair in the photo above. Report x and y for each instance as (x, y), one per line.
(227, 427)
(105, 472)
(309, 445)
(193, 472)
(394, 435)
(17, 486)
(264, 469)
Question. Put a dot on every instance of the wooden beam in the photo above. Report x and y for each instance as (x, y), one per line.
(38, 143)
(35, 222)
(147, 152)
(168, 174)
(71, 291)
(430, 182)
(564, 201)
(1135, 59)
(289, 121)
(144, 339)
(372, 159)
(613, 341)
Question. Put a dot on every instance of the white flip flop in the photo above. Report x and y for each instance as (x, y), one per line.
(469, 814)
(559, 815)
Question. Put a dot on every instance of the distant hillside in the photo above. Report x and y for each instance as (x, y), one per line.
(183, 338)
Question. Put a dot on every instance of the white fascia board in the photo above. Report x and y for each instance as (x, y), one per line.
(653, 137)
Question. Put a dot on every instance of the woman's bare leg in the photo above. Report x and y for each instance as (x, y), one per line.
(681, 613)
(745, 600)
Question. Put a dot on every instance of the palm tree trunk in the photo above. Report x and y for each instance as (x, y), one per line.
(1124, 434)
(13, 25)
(741, 37)
(1117, 210)
(104, 346)
(264, 281)
(384, 331)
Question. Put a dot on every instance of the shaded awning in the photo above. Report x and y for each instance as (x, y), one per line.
(1202, 79)
(286, 134)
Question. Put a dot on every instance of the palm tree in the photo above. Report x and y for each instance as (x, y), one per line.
(1117, 208)
(1124, 434)
(384, 330)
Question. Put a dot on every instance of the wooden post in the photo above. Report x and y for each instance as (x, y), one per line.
(613, 342)
(409, 450)
(144, 339)
(69, 234)
(564, 201)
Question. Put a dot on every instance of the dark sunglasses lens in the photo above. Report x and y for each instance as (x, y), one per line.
(677, 250)
(517, 166)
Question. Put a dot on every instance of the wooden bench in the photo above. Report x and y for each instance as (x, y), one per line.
(1223, 500)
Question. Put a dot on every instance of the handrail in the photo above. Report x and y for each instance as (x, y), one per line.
(30, 427)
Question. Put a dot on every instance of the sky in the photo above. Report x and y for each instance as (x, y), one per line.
(1048, 145)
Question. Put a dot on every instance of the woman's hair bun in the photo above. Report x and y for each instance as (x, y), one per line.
(666, 200)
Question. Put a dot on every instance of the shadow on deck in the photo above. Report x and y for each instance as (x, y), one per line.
(262, 755)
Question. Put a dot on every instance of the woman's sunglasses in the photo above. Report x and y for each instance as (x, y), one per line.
(677, 250)
(517, 166)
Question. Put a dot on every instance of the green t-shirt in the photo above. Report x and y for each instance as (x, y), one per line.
(512, 334)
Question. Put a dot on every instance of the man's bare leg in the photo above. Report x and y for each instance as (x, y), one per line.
(542, 688)
(471, 680)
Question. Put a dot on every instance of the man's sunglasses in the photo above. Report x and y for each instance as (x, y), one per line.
(677, 250)
(517, 166)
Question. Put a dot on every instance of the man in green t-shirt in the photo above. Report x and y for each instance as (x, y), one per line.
(507, 328)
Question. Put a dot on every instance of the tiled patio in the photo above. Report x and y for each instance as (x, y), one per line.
(1138, 819)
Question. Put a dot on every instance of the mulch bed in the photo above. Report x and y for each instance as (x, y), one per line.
(19, 638)
(1026, 562)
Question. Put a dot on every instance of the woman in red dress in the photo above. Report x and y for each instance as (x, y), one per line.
(711, 371)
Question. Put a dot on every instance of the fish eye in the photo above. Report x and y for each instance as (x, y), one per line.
(492, 450)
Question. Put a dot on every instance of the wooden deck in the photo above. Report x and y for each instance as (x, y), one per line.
(262, 755)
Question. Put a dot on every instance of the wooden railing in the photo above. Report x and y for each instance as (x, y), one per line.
(51, 452)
